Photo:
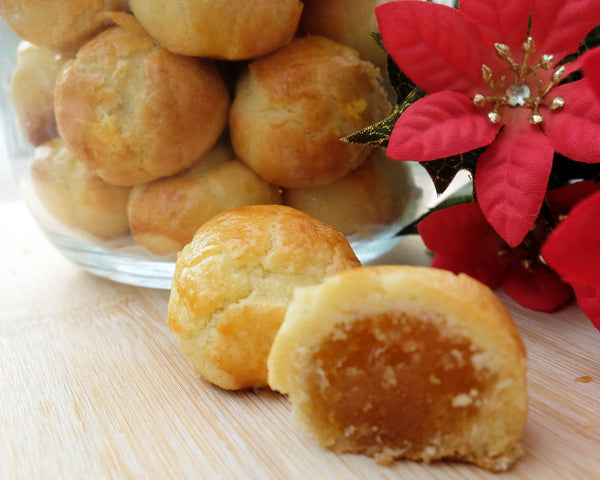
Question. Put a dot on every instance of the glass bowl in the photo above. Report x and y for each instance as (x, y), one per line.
(121, 259)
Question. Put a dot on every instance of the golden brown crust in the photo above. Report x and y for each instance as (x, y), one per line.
(233, 282)
(165, 214)
(76, 196)
(32, 91)
(429, 366)
(135, 112)
(364, 202)
(226, 29)
(292, 108)
(351, 22)
(60, 25)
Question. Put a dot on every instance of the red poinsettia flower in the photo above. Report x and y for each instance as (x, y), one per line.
(591, 68)
(573, 250)
(463, 241)
(489, 83)
(561, 200)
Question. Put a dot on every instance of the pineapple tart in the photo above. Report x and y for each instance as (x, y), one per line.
(400, 362)
(233, 282)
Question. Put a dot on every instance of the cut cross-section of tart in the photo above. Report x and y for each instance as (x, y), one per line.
(400, 362)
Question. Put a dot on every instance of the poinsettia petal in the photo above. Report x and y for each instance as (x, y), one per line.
(434, 45)
(457, 230)
(588, 299)
(562, 199)
(439, 126)
(557, 26)
(499, 21)
(572, 66)
(490, 275)
(511, 179)
(463, 241)
(591, 69)
(536, 288)
(573, 247)
(574, 129)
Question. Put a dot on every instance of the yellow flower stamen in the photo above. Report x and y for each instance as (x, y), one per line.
(519, 93)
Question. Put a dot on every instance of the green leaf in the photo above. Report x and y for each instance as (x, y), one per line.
(457, 199)
(401, 84)
(379, 134)
(443, 171)
(378, 37)
(592, 40)
(565, 170)
(407, 93)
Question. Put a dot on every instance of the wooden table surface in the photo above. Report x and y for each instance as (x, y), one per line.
(94, 386)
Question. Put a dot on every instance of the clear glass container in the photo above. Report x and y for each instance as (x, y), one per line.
(120, 259)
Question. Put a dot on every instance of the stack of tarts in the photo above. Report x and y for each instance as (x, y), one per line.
(188, 111)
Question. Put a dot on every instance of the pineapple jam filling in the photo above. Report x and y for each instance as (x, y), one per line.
(395, 382)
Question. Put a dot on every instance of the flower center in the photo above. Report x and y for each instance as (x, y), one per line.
(519, 93)
(516, 95)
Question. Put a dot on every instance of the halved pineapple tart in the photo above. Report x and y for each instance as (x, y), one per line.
(404, 362)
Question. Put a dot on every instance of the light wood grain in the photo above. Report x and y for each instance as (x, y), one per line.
(93, 385)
